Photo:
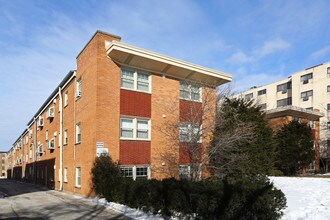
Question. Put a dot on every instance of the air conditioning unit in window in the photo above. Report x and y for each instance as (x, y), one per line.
(305, 99)
(51, 144)
(78, 94)
(284, 91)
(40, 122)
(50, 113)
(39, 149)
(305, 81)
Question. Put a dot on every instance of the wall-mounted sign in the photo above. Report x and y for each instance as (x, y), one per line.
(99, 144)
(101, 152)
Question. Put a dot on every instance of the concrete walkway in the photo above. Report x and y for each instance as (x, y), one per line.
(26, 201)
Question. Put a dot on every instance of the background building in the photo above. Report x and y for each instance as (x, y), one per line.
(3, 164)
(115, 103)
(309, 90)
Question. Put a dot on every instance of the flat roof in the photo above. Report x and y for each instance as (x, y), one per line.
(293, 111)
(125, 54)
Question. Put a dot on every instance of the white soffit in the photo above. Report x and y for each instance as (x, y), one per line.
(125, 54)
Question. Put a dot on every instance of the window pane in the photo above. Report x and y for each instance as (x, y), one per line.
(126, 171)
(126, 133)
(143, 86)
(127, 79)
(143, 77)
(126, 128)
(141, 172)
(183, 132)
(142, 129)
(184, 90)
(127, 123)
(195, 93)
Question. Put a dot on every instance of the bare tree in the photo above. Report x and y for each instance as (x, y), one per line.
(324, 141)
(187, 138)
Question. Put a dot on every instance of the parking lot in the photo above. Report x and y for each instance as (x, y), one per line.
(26, 201)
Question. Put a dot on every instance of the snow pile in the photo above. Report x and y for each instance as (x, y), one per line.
(307, 198)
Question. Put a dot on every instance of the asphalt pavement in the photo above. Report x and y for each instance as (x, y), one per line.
(27, 201)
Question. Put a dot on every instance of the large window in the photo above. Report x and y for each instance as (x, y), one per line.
(284, 87)
(190, 132)
(78, 133)
(78, 176)
(65, 136)
(190, 92)
(305, 95)
(135, 172)
(249, 96)
(135, 80)
(284, 102)
(305, 78)
(78, 89)
(134, 128)
(262, 92)
(65, 179)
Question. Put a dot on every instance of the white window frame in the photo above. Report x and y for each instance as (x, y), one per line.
(78, 88)
(190, 130)
(134, 128)
(135, 79)
(65, 137)
(65, 177)
(66, 99)
(134, 169)
(189, 90)
(78, 177)
(78, 133)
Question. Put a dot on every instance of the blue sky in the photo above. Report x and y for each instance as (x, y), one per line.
(256, 41)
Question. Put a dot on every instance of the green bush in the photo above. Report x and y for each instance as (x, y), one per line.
(255, 198)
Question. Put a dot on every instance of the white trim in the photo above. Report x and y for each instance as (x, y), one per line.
(134, 128)
(120, 46)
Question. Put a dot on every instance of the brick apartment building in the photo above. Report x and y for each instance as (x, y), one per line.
(113, 103)
(3, 164)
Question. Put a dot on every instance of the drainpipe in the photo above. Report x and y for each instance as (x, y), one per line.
(74, 126)
(34, 151)
(60, 139)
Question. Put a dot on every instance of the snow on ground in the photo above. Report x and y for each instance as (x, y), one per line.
(307, 198)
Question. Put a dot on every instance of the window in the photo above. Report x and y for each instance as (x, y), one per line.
(248, 97)
(190, 92)
(328, 88)
(78, 133)
(66, 136)
(284, 102)
(262, 106)
(328, 71)
(135, 128)
(46, 135)
(309, 109)
(126, 171)
(65, 179)
(184, 172)
(26, 158)
(78, 89)
(189, 132)
(305, 95)
(31, 153)
(305, 78)
(26, 139)
(78, 177)
(311, 124)
(142, 129)
(135, 172)
(66, 99)
(328, 125)
(141, 172)
(262, 92)
(284, 87)
(328, 107)
(135, 80)
(126, 128)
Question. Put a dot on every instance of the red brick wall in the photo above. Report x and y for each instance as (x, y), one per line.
(135, 103)
(134, 152)
(190, 111)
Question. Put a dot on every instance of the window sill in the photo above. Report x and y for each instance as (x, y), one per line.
(77, 143)
(77, 98)
(134, 90)
(190, 100)
(134, 139)
(77, 187)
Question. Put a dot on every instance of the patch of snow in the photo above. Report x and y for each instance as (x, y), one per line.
(307, 198)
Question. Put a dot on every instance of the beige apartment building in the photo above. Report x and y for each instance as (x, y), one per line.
(113, 103)
(306, 91)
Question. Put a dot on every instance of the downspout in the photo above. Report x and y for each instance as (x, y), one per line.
(34, 151)
(60, 139)
(74, 129)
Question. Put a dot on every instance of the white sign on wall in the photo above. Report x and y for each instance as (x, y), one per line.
(99, 144)
(101, 151)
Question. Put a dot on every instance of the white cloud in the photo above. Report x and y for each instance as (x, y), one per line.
(320, 53)
(268, 47)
